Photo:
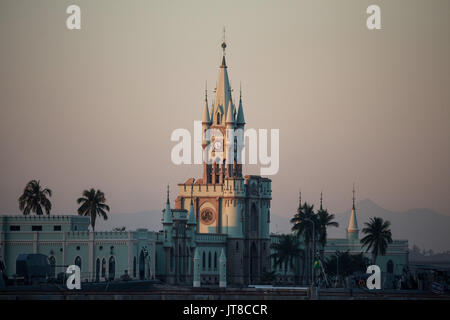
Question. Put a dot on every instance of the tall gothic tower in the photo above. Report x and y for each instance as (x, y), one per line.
(225, 202)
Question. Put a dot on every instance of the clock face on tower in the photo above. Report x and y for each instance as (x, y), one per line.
(207, 216)
(218, 145)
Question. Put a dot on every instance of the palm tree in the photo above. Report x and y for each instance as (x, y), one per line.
(34, 199)
(93, 205)
(378, 236)
(324, 220)
(286, 251)
(303, 222)
(345, 263)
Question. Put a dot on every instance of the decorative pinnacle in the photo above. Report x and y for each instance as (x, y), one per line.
(192, 191)
(168, 201)
(353, 196)
(224, 45)
(300, 197)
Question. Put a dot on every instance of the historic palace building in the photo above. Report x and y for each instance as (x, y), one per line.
(216, 232)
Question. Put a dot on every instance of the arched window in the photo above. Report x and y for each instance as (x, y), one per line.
(103, 268)
(204, 261)
(215, 260)
(180, 258)
(134, 267)
(78, 261)
(218, 117)
(52, 262)
(390, 266)
(209, 260)
(237, 246)
(97, 270)
(112, 268)
(142, 265)
(254, 218)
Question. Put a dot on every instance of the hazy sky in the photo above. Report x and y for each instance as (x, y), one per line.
(96, 107)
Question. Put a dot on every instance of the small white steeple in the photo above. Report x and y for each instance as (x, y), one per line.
(352, 230)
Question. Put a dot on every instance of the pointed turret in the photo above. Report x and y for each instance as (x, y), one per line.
(205, 118)
(352, 230)
(191, 217)
(240, 121)
(223, 88)
(321, 208)
(167, 217)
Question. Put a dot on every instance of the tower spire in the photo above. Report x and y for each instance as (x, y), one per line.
(240, 115)
(223, 90)
(352, 230)
(167, 216)
(205, 117)
(224, 46)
